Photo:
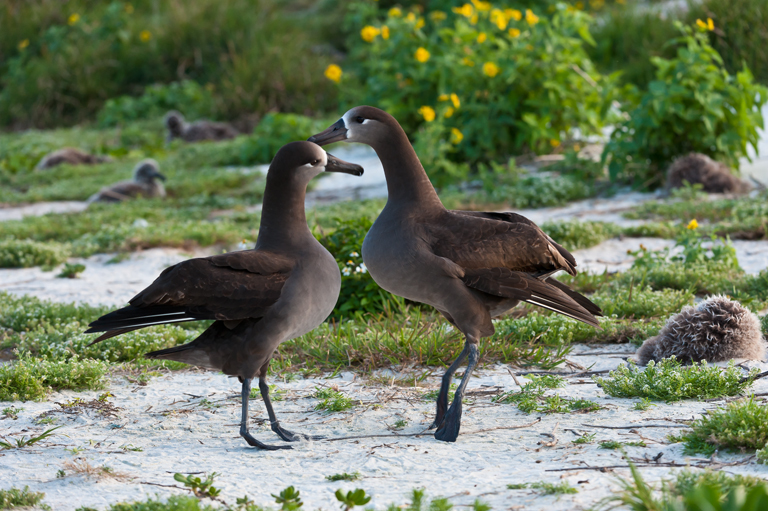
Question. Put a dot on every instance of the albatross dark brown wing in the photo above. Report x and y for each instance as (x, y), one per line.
(507, 255)
(477, 240)
(227, 287)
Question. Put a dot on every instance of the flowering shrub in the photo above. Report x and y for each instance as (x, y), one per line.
(484, 81)
(694, 105)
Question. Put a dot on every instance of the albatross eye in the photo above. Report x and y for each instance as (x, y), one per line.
(360, 119)
(315, 162)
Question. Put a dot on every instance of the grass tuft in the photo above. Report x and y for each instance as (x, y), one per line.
(16, 498)
(561, 488)
(332, 400)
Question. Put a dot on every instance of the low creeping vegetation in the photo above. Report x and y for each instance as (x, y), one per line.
(740, 426)
(332, 400)
(670, 381)
(198, 486)
(530, 398)
(561, 488)
(32, 379)
(354, 476)
(613, 445)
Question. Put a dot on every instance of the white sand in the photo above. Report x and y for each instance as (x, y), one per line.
(178, 433)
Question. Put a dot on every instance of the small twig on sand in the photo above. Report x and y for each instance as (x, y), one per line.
(704, 465)
(757, 377)
(638, 426)
(511, 373)
(426, 432)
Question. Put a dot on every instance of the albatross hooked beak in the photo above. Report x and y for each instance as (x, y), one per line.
(159, 176)
(335, 133)
(337, 165)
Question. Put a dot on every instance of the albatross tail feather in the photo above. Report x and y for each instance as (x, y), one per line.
(132, 318)
(521, 286)
(577, 297)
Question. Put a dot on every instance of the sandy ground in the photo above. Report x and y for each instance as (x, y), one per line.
(188, 422)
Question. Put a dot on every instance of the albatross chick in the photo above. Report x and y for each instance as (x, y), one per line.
(715, 330)
(70, 156)
(144, 184)
(470, 266)
(283, 288)
(197, 131)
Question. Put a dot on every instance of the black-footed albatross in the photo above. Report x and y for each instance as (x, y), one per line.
(197, 131)
(470, 266)
(283, 288)
(144, 184)
(70, 156)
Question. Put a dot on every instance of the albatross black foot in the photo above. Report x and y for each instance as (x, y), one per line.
(448, 431)
(255, 443)
(289, 436)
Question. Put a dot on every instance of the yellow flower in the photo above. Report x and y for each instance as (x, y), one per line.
(395, 12)
(422, 55)
(554, 142)
(577, 147)
(23, 44)
(701, 24)
(490, 69)
(411, 17)
(481, 37)
(449, 112)
(467, 62)
(482, 6)
(531, 18)
(499, 19)
(129, 8)
(693, 224)
(145, 35)
(710, 24)
(513, 14)
(73, 18)
(456, 136)
(580, 6)
(419, 23)
(514, 32)
(438, 15)
(428, 113)
(455, 100)
(369, 33)
(443, 97)
(333, 73)
(385, 32)
(465, 10)
(473, 19)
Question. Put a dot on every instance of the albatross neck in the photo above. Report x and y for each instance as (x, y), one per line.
(407, 181)
(283, 221)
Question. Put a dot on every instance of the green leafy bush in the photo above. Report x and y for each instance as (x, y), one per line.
(694, 104)
(32, 379)
(740, 426)
(669, 381)
(16, 498)
(480, 82)
(16, 253)
(188, 97)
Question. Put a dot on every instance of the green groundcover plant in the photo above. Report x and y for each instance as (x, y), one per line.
(694, 104)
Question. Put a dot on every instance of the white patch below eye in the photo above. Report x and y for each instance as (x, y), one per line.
(308, 165)
(366, 121)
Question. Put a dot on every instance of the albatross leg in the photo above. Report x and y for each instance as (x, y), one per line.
(282, 433)
(442, 396)
(244, 422)
(448, 431)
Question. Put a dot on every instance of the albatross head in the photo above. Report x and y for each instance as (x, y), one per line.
(146, 171)
(364, 124)
(306, 160)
